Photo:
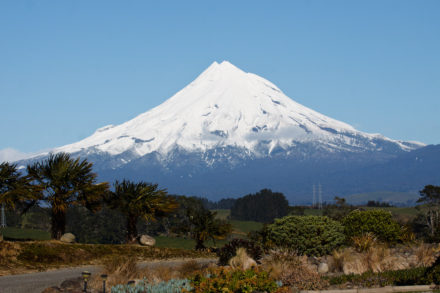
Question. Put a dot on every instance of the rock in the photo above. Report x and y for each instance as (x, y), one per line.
(147, 240)
(323, 268)
(68, 238)
(72, 284)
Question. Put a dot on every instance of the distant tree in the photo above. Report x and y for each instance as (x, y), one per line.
(193, 219)
(64, 182)
(223, 204)
(338, 210)
(372, 203)
(263, 206)
(140, 200)
(204, 226)
(430, 195)
(296, 210)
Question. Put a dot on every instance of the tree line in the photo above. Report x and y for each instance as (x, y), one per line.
(62, 184)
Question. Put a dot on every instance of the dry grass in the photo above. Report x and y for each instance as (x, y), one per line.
(426, 253)
(292, 270)
(42, 255)
(339, 258)
(379, 258)
(242, 260)
(121, 270)
(364, 242)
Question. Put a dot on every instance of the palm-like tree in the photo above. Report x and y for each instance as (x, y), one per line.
(204, 226)
(140, 200)
(65, 181)
(14, 187)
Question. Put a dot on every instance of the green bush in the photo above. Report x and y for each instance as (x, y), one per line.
(379, 222)
(239, 281)
(310, 235)
(414, 276)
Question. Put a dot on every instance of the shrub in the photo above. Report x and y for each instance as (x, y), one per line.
(414, 276)
(229, 250)
(433, 272)
(310, 235)
(378, 222)
(363, 242)
(224, 280)
(172, 286)
(292, 270)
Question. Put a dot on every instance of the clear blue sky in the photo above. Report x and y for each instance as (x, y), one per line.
(70, 67)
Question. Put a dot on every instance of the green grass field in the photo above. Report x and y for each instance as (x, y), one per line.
(28, 234)
(222, 214)
(245, 226)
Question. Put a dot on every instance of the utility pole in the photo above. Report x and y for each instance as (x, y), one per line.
(320, 196)
(3, 222)
(314, 196)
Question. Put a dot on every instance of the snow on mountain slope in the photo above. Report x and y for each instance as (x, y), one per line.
(224, 107)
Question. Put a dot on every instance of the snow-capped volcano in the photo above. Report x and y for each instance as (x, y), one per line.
(227, 107)
(230, 132)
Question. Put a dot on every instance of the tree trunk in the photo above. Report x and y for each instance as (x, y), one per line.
(131, 228)
(58, 223)
(199, 244)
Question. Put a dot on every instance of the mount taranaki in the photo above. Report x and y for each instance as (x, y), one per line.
(230, 133)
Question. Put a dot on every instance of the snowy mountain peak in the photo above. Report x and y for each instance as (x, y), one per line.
(227, 107)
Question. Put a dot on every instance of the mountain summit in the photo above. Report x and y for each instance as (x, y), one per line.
(230, 132)
(227, 107)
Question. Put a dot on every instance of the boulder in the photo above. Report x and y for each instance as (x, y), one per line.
(147, 240)
(72, 284)
(323, 268)
(68, 238)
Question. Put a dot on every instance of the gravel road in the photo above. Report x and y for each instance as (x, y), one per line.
(37, 282)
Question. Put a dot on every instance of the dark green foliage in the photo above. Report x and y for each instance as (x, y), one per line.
(430, 195)
(64, 182)
(204, 226)
(140, 200)
(309, 235)
(414, 276)
(105, 226)
(379, 222)
(433, 272)
(229, 250)
(372, 203)
(14, 188)
(338, 210)
(264, 206)
(223, 204)
(237, 281)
